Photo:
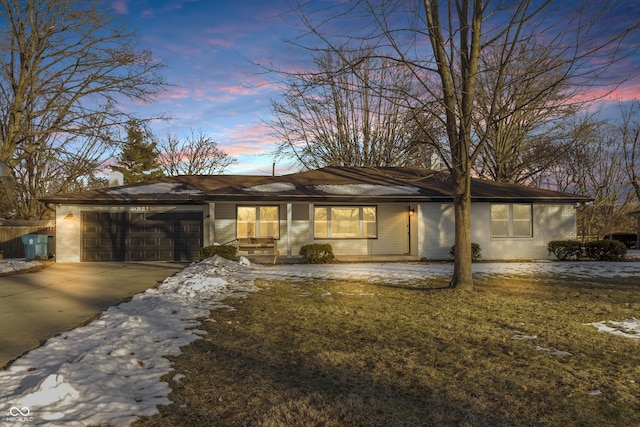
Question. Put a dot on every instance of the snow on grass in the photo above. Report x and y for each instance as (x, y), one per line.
(414, 272)
(108, 372)
(16, 264)
(628, 328)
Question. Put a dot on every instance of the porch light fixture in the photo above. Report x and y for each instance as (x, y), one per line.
(412, 211)
(68, 216)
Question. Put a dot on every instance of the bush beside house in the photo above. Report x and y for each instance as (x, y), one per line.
(605, 250)
(317, 253)
(475, 251)
(565, 249)
(224, 251)
(599, 250)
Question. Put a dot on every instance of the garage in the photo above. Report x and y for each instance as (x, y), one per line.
(141, 236)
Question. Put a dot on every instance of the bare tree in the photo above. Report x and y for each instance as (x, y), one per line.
(593, 165)
(629, 130)
(601, 161)
(62, 166)
(442, 42)
(63, 162)
(65, 66)
(341, 114)
(521, 143)
(196, 153)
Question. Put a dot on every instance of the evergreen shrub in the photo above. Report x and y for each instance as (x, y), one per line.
(565, 249)
(317, 253)
(605, 250)
(224, 251)
(475, 251)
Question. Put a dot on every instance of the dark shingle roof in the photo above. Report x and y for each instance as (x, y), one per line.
(329, 184)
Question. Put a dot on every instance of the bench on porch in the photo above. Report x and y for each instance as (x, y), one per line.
(259, 244)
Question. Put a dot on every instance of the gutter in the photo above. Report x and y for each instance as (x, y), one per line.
(353, 199)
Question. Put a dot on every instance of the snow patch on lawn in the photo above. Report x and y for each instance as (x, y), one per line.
(417, 272)
(628, 328)
(108, 372)
(16, 264)
(553, 352)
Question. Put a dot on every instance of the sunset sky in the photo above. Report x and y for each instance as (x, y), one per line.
(210, 47)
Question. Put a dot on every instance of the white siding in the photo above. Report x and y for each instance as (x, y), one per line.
(225, 222)
(550, 222)
(436, 230)
(68, 233)
(393, 230)
(392, 238)
(300, 235)
(432, 230)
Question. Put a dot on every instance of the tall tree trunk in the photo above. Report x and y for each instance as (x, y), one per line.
(462, 277)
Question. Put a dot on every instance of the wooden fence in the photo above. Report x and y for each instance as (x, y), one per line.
(11, 233)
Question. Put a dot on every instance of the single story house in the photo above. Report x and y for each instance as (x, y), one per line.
(364, 213)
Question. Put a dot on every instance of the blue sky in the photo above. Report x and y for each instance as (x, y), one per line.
(209, 48)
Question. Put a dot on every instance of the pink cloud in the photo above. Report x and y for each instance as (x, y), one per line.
(219, 42)
(623, 93)
(198, 91)
(251, 85)
(176, 93)
(120, 6)
(626, 92)
(241, 149)
(249, 140)
(237, 90)
(204, 91)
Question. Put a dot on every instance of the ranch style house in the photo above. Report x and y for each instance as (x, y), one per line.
(399, 213)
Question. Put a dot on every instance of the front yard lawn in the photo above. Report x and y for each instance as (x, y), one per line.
(516, 351)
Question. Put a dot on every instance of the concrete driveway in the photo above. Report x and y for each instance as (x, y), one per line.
(37, 306)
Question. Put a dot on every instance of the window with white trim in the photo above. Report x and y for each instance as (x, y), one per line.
(345, 222)
(511, 220)
(258, 221)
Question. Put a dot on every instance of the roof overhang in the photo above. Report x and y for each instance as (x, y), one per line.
(327, 185)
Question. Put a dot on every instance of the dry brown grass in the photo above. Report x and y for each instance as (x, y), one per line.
(346, 353)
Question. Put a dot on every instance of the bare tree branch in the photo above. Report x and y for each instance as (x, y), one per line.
(193, 154)
(65, 66)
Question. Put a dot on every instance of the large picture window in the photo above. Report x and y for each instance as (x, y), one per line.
(345, 222)
(511, 220)
(258, 221)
